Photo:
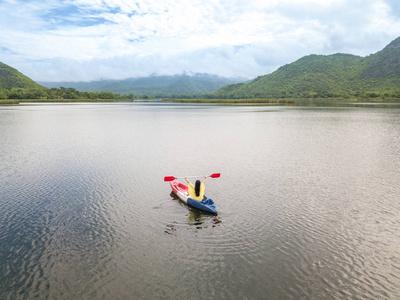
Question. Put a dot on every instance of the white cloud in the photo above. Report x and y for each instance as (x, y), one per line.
(92, 39)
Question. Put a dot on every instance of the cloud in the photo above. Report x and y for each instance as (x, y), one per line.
(92, 39)
(394, 7)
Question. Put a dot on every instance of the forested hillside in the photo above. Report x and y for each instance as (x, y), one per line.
(12, 78)
(319, 76)
(15, 85)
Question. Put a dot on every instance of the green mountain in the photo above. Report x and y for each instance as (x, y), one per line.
(155, 86)
(12, 78)
(337, 75)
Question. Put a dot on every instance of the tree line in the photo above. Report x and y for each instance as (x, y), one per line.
(59, 93)
(63, 93)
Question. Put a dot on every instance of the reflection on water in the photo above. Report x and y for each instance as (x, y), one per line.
(345, 103)
(196, 219)
(308, 202)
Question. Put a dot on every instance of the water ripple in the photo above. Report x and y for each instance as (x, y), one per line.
(307, 203)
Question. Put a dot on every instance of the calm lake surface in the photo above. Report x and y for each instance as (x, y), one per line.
(308, 202)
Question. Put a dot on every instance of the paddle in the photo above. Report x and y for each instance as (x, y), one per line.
(170, 178)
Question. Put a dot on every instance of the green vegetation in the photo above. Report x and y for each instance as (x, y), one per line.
(12, 78)
(249, 101)
(16, 87)
(334, 76)
(340, 102)
(57, 95)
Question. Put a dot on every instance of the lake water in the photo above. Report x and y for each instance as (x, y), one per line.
(308, 202)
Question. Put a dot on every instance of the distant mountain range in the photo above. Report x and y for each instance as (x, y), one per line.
(337, 75)
(154, 86)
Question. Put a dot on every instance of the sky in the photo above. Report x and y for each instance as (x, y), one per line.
(86, 40)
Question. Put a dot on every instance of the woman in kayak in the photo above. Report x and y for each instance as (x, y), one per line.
(196, 192)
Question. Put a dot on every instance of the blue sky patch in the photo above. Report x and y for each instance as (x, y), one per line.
(72, 15)
(4, 49)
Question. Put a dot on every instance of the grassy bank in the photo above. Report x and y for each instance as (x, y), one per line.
(289, 101)
(8, 101)
(280, 101)
(18, 101)
(249, 101)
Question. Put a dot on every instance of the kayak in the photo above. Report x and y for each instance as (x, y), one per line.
(181, 191)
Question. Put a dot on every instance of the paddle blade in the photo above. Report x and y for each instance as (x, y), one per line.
(169, 178)
(215, 175)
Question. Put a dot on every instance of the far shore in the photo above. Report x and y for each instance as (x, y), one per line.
(22, 101)
(268, 101)
(289, 100)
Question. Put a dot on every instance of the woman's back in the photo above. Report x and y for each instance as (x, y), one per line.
(192, 191)
(196, 192)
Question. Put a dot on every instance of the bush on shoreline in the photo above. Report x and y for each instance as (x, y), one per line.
(58, 94)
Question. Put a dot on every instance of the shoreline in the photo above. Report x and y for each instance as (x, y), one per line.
(268, 101)
(288, 100)
(22, 101)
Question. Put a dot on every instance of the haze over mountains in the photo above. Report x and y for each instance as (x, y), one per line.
(154, 86)
(337, 75)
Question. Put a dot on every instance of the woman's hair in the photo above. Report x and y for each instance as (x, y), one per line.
(197, 187)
